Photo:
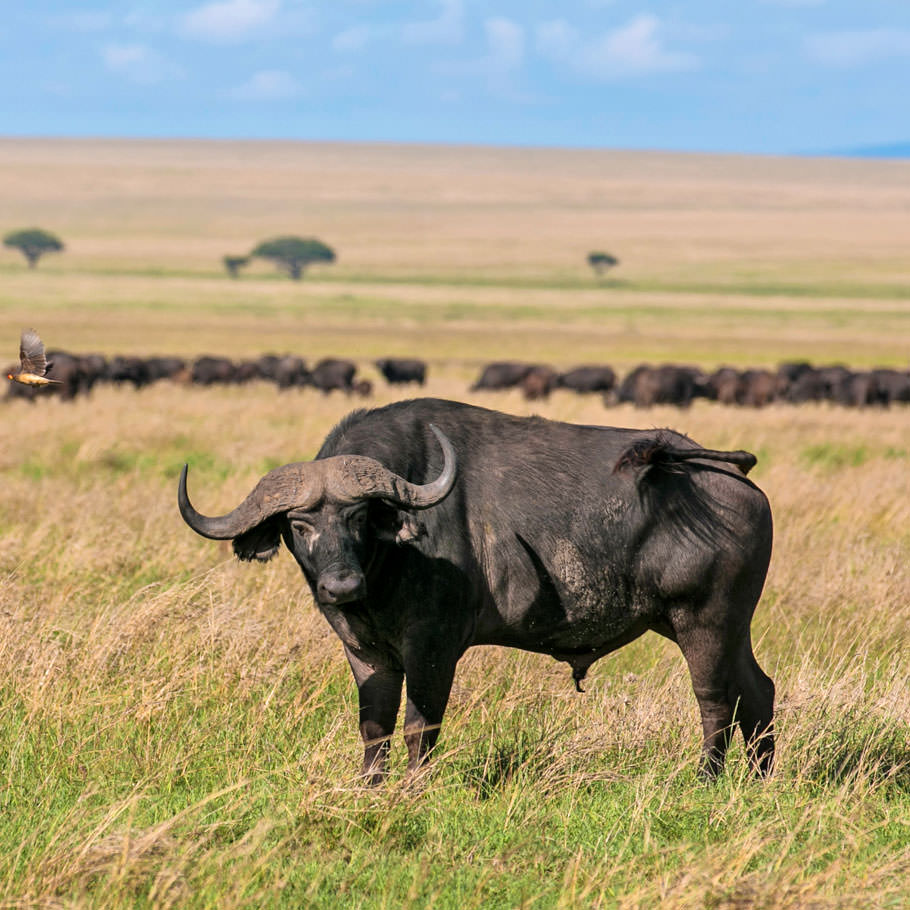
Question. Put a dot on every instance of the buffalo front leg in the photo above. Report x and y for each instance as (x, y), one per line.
(379, 694)
(429, 683)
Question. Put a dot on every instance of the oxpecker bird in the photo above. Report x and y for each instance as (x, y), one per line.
(32, 362)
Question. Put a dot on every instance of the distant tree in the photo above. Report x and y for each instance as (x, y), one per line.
(33, 243)
(294, 254)
(234, 264)
(600, 262)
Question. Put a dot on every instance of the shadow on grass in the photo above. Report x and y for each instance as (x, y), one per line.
(855, 748)
(490, 772)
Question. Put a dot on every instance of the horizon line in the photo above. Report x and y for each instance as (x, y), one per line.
(890, 150)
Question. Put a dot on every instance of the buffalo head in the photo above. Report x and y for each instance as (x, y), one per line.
(322, 511)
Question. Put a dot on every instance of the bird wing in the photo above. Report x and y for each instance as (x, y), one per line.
(31, 353)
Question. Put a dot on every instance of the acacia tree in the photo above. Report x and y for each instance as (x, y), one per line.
(600, 262)
(294, 254)
(33, 243)
(234, 264)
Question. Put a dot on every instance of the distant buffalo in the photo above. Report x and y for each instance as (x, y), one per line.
(759, 388)
(266, 366)
(890, 386)
(817, 384)
(588, 379)
(400, 371)
(65, 369)
(647, 386)
(213, 371)
(538, 382)
(290, 371)
(93, 368)
(331, 374)
(166, 368)
(246, 371)
(502, 375)
(724, 385)
(132, 370)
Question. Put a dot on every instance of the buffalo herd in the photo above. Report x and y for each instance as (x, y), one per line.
(78, 374)
(679, 385)
(644, 386)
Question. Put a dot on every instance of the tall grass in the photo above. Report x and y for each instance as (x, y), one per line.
(179, 730)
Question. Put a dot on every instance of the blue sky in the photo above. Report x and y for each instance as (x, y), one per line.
(774, 76)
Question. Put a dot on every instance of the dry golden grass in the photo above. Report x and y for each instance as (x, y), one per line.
(178, 730)
(461, 254)
(202, 717)
(437, 209)
(455, 328)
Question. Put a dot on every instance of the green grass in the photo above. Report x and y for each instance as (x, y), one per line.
(746, 281)
(179, 729)
(832, 455)
(223, 790)
(452, 325)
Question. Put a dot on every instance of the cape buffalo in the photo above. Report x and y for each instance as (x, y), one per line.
(538, 383)
(502, 375)
(332, 374)
(400, 371)
(290, 371)
(429, 526)
(166, 368)
(133, 370)
(213, 371)
(667, 384)
(588, 379)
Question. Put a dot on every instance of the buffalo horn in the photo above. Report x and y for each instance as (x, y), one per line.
(302, 485)
(360, 477)
(278, 491)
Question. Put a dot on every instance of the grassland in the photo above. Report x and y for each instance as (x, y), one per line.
(178, 730)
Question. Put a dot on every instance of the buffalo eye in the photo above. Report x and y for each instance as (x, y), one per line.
(357, 519)
(301, 527)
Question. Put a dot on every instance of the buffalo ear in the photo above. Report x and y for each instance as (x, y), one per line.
(260, 543)
(395, 525)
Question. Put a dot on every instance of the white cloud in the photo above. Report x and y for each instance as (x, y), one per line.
(557, 39)
(147, 21)
(506, 43)
(447, 28)
(139, 63)
(83, 20)
(635, 49)
(229, 21)
(498, 68)
(857, 48)
(268, 85)
(352, 39)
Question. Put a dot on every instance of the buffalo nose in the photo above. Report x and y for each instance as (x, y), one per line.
(340, 587)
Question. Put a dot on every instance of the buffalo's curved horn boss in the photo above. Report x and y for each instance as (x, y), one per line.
(303, 484)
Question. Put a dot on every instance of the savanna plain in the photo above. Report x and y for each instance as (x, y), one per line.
(179, 730)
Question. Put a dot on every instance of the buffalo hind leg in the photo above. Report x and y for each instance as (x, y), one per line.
(753, 695)
(709, 661)
(379, 694)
